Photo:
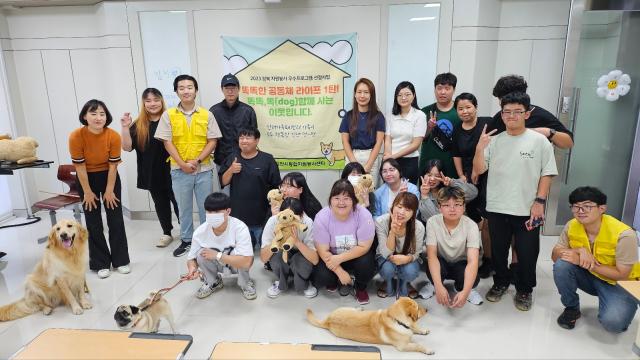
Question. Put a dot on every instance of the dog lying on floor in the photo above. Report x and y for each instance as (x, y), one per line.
(59, 278)
(146, 316)
(394, 325)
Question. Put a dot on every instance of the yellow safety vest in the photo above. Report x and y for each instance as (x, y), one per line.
(189, 140)
(604, 246)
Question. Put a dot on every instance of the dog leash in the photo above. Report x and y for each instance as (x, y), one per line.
(162, 292)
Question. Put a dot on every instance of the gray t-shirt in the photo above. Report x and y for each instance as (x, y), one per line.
(516, 164)
(306, 237)
(452, 246)
(382, 230)
(163, 132)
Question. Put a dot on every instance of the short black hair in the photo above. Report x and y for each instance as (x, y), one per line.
(509, 84)
(294, 204)
(184, 77)
(587, 193)
(251, 131)
(445, 79)
(516, 98)
(342, 186)
(217, 201)
(348, 169)
(93, 105)
(465, 96)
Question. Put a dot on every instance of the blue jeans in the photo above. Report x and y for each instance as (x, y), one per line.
(256, 235)
(616, 308)
(404, 273)
(184, 186)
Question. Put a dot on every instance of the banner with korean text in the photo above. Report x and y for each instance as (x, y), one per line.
(299, 88)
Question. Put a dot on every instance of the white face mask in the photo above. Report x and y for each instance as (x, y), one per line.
(216, 219)
(354, 179)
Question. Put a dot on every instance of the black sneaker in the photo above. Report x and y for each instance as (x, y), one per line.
(495, 293)
(486, 269)
(523, 301)
(344, 290)
(182, 249)
(567, 320)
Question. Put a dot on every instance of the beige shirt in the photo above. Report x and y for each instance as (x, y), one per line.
(163, 132)
(382, 230)
(626, 250)
(452, 246)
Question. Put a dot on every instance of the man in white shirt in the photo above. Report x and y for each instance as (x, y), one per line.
(222, 241)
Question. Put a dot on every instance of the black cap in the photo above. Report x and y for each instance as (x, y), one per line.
(229, 79)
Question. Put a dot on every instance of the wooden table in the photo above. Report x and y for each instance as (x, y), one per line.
(633, 288)
(104, 344)
(249, 351)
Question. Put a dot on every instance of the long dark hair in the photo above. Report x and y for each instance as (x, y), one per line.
(409, 201)
(402, 85)
(373, 109)
(309, 202)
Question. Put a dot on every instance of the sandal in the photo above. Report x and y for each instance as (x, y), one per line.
(413, 293)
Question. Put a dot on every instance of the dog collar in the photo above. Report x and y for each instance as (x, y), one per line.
(402, 324)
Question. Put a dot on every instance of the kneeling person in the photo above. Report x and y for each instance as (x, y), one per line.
(453, 249)
(221, 241)
(301, 259)
(593, 252)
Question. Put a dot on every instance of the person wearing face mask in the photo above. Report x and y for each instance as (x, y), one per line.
(154, 172)
(394, 184)
(222, 241)
(400, 243)
(352, 172)
(432, 181)
(362, 128)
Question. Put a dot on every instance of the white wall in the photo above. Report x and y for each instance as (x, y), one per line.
(59, 57)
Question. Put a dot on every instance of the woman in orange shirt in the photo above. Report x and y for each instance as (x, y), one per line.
(95, 152)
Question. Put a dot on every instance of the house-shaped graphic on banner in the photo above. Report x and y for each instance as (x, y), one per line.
(286, 61)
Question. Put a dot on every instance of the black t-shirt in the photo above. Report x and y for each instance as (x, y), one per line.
(250, 186)
(230, 120)
(154, 172)
(464, 143)
(539, 118)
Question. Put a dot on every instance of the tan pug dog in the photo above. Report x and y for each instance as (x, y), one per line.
(146, 316)
(394, 325)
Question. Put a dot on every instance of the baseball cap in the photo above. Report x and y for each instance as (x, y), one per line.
(229, 79)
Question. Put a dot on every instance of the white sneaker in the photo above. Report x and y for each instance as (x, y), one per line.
(475, 298)
(427, 291)
(310, 291)
(124, 269)
(164, 241)
(104, 273)
(274, 290)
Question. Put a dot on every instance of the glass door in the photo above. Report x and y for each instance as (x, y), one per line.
(598, 42)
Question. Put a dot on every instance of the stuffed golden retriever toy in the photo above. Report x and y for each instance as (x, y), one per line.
(288, 222)
(21, 150)
(363, 187)
(275, 198)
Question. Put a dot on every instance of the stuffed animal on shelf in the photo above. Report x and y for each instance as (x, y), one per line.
(21, 150)
(275, 197)
(364, 187)
(288, 222)
(5, 136)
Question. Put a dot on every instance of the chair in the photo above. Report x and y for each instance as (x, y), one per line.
(66, 174)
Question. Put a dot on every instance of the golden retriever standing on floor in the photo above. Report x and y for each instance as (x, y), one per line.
(59, 278)
(393, 326)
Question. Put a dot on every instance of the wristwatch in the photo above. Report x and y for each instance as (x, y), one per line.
(200, 161)
(552, 133)
(540, 200)
(219, 256)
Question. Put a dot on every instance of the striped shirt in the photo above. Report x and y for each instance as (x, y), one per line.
(96, 151)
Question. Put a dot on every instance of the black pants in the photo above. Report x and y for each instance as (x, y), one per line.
(363, 268)
(502, 229)
(162, 200)
(99, 255)
(453, 271)
(409, 168)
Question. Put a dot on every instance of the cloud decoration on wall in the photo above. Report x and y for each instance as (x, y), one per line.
(233, 64)
(338, 53)
(613, 85)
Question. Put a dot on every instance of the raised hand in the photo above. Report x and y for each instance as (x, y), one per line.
(125, 120)
(424, 187)
(433, 121)
(485, 138)
(236, 167)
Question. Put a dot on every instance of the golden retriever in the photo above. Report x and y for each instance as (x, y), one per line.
(394, 325)
(59, 278)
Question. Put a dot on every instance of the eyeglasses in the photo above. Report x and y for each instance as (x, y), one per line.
(452, 206)
(513, 113)
(582, 208)
(342, 200)
(288, 186)
(405, 95)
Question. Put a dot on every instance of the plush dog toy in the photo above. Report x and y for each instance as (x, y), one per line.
(5, 136)
(275, 197)
(288, 222)
(364, 187)
(21, 150)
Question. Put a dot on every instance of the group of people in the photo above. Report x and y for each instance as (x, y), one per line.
(454, 192)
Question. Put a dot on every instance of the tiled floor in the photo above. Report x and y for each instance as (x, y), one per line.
(488, 331)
